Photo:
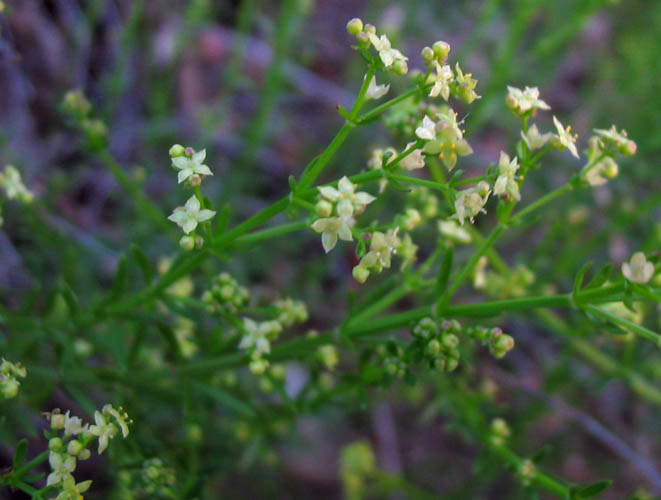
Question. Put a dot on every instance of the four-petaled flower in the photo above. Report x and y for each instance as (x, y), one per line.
(471, 201)
(522, 101)
(331, 228)
(103, 429)
(506, 185)
(188, 216)
(375, 91)
(445, 138)
(535, 140)
(638, 269)
(387, 54)
(72, 490)
(465, 85)
(442, 80)
(190, 165)
(62, 465)
(426, 131)
(564, 138)
(257, 336)
(346, 197)
(73, 425)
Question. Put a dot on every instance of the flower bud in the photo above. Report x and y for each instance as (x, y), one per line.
(84, 454)
(354, 26)
(177, 150)
(363, 40)
(628, 148)
(55, 444)
(189, 152)
(360, 273)
(9, 387)
(74, 447)
(369, 29)
(427, 54)
(400, 67)
(611, 170)
(434, 347)
(441, 49)
(450, 341)
(57, 421)
(199, 242)
(323, 208)
(195, 180)
(187, 242)
(258, 366)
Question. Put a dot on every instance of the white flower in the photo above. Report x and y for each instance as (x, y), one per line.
(62, 465)
(73, 425)
(454, 231)
(375, 91)
(506, 185)
(11, 182)
(426, 131)
(387, 54)
(619, 140)
(346, 197)
(331, 228)
(382, 246)
(535, 140)
(522, 101)
(564, 137)
(188, 216)
(257, 336)
(442, 80)
(413, 160)
(120, 418)
(188, 166)
(104, 429)
(638, 269)
(471, 201)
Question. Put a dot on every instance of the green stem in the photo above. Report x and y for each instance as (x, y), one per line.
(420, 182)
(625, 323)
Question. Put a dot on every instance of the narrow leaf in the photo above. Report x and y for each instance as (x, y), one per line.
(19, 453)
(143, 263)
(444, 272)
(594, 489)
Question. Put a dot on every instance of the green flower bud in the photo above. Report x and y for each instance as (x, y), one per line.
(427, 54)
(74, 447)
(434, 347)
(187, 242)
(354, 26)
(55, 444)
(441, 49)
(177, 150)
(369, 29)
(363, 40)
(57, 421)
(450, 341)
(628, 148)
(360, 273)
(400, 67)
(323, 208)
(84, 454)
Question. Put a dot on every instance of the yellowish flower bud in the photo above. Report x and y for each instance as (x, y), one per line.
(354, 26)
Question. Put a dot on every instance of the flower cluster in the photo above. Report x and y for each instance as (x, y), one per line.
(76, 105)
(357, 465)
(74, 444)
(499, 343)
(12, 183)
(336, 209)
(524, 102)
(157, 478)
(9, 375)
(443, 137)
(439, 343)
(382, 247)
(499, 432)
(225, 295)
(391, 58)
(256, 340)
(189, 164)
(507, 186)
(603, 147)
(290, 311)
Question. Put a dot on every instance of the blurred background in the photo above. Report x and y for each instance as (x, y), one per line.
(257, 83)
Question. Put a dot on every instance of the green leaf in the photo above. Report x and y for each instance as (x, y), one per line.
(222, 219)
(143, 263)
(601, 277)
(594, 489)
(119, 281)
(541, 455)
(19, 453)
(578, 281)
(169, 337)
(69, 297)
(226, 399)
(444, 272)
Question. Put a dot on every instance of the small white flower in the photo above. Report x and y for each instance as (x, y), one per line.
(454, 231)
(103, 429)
(471, 201)
(188, 216)
(426, 131)
(638, 269)
(188, 166)
(72, 490)
(506, 183)
(387, 54)
(11, 182)
(523, 101)
(382, 246)
(564, 137)
(62, 465)
(598, 174)
(375, 91)
(120, 418)
(346, 198)
(73, 425)
(442, 80)
(413, 160)
(331, 228)
(535, 140)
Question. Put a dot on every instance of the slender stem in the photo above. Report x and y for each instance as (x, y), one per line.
(420, 182)
(373, 113)
(626, 324)
(547, 198)
(272, 232)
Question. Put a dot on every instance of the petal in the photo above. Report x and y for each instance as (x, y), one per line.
(193, 204)
(364, 198)
(203, 170)
(344, 231)
(200, 156)
(345, 185)
(189, 225)
(205, 214)
(558, 125)
(328, 240)
(180, 162)
(53, 478)
(320, 225)
(424, 133)
(387, 58)
(178, 216)
(329, 192)
(184, 174)
(648, 272)
(345, 208)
